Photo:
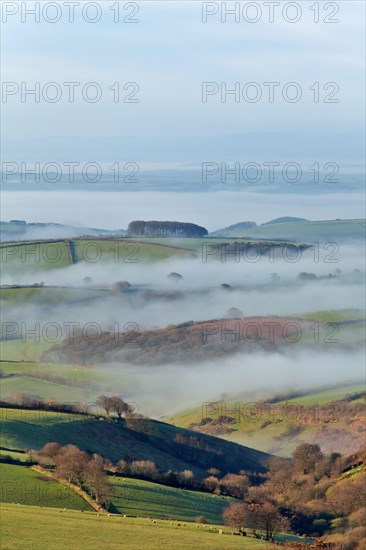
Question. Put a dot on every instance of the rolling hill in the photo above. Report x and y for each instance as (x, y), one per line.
(170, 447)
(304, 230)
(332, 417)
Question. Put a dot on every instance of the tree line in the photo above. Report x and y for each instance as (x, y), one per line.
(140, 228)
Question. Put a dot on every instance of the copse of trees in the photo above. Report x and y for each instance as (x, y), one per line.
(79, 468)
(140, 228)
(114, 405)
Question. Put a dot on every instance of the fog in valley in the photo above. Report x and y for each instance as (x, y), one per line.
(154, 301)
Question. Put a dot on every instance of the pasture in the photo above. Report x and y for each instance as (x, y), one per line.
(23, 485)
(32, 528)
(136, 497)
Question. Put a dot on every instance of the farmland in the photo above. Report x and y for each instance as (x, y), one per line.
(168, 446)
(135, 497)
(327, 230)
(20, 484)
(28, 527)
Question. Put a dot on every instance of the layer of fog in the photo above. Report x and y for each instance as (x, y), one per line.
(112, 311)
(199, 295)
(213, 266)
(164, 390)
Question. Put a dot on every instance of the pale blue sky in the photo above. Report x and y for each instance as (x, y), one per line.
(169, 53)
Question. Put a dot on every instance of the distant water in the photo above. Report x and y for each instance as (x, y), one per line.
(112, 210)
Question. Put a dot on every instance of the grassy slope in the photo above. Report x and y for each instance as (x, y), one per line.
(50, 295)
(267, 428)
(133, 497)
(21, 429)
(75, 383)
(23, 485)
(43, 255)
(327, 229)
(143, 498)
(31, 528)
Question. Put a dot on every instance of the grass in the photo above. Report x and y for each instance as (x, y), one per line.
(50, 295)
(306, 230)
(17, 455)
(20, 484)
(136, 497)
(37, 256)
(268, 429)
(31, 429)
(133, 497)
(336, 315)
(46, 255)
(63, 383)
(32, 528)
(44, 389)
(18, 350)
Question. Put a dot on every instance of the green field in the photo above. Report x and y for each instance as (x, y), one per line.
(143, 498)
(336, 315)
(20, 484)
(132, 497)
(338, 230)
(30, 429)
(62, 383)
(48, 295)
(16, 455)
(44, 255)
(32, 528)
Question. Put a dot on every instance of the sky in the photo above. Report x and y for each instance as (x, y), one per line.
(168, 53)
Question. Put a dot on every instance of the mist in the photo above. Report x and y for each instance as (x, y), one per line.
(165, 390)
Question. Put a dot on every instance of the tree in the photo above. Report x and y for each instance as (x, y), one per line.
(140, 228)
(145, 468)
(213, 472)
(70, 464)
(306, 456)
(49, 452)
(185, 477)
(105, 403)
(235, 485)
(119, 406)
(96, 481)
(211, 483)
(235, 515)
(266, 517)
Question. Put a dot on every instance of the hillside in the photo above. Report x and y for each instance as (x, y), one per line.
(15, 230)
(23, 485)
(170, 447)
(309, 231)
(332, 417)
(193, 341)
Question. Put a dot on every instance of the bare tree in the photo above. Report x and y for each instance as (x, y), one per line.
(266, 517)
(306, 456)
(70, 464)
(235, 515)
(235, 485)
(105, 403)
(48, 453)
(119, 406)
(96, 480)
